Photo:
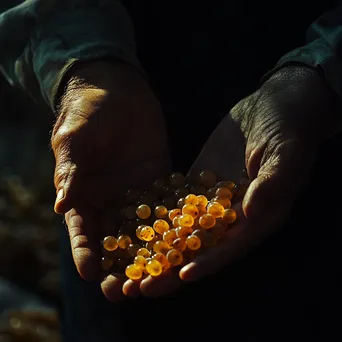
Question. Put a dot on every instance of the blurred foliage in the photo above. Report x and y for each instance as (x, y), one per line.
(29, 255)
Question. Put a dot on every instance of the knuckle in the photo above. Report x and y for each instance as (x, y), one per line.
(64, 170)
(59, 176)
(61, 138)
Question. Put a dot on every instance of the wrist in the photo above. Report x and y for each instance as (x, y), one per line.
(304, 92)
(102, 75)
(296, 77)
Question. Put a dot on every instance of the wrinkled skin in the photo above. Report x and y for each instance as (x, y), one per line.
(275, 133)
(109, 136)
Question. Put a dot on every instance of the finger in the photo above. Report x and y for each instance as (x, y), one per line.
(112, 287)
(265, 205)
(66, 185)
(84, 240)
(66, 177)
(165, 284)
(283, 169)
(131, 288)
(238, 241)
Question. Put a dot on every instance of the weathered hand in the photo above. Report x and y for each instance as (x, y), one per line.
(109, 136)
(282, 124)
(275, 134)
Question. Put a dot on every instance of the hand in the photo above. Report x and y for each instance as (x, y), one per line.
(275, 134)
(109, 135)
(283, 124)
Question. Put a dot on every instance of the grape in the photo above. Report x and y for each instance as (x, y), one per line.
(161, 226)
(215, 209)
(229, 216)
(138, 231)
(191, 199)
(160, 211)
(161, 247)
(124, 241)
(143, 211)
(174, 257)
(240, 189)
(147, 233)
(207, 221)
(183, 231)
(154, 268)
(143, 252)
(175, 221)
(193, 242)
(180, 203)
(224, 192)
(140, 261)
(224, 201)
(190, 209)
(179, 244)
(110, 243)
(133, 272)
(188, 213)
(226, 184)
(186, 220)
(160, 257)
(201, 209)
(202, 200)
(200, 233)
(173, 213)
(207, 178)
(150, 244)
(211, 193)
(170, 236)
(177, 180)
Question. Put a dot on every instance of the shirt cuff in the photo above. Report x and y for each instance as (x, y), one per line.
(74, 36)
(316, 55)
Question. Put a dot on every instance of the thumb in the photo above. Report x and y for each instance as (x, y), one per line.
(279, 178)
(266, 204)
(65, 180)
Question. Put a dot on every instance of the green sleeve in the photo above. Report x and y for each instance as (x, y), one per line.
(43, 39)
(323, 50)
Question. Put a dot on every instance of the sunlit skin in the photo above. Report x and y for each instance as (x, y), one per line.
(271, 167)
(180, 241)
(171, 247)
(274, 164)
(87, 153)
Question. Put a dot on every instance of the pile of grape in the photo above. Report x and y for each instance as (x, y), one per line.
(168, 225)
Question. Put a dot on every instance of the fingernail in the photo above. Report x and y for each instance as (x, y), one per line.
(251, 209)
(59, 197)
(190, 272)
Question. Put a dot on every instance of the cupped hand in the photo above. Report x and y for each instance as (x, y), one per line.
(109, 135)
(275, 133)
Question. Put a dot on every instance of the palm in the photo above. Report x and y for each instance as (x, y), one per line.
(107, 144)
(226, 143)
(224, 153)
(276, 139)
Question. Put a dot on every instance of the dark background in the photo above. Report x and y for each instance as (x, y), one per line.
(201, 59)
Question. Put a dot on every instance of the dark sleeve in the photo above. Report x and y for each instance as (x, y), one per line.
(322, 51)
(43, 39)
